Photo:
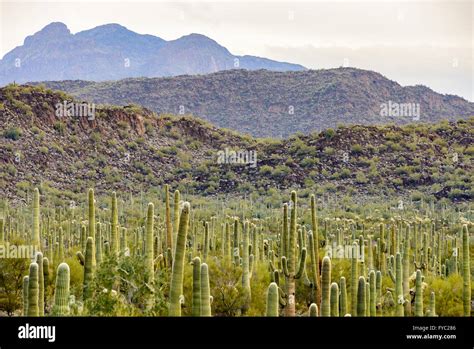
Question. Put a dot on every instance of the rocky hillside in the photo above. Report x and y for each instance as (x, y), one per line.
(111, 51)
(130, 148)
(278, 104)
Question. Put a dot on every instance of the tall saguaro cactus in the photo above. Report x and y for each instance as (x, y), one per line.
(33, 291)
(36, 218)
(361, 301)
(354, 276)
(61, 293)
(246, 268)
(114, 237)
(397, 279)
(314, 251)
(175, 216)
(466, 272)
(39, 261)
(177, 273)
(205, 291)
(343, 296)
(149, 240)
(289, 264)
(169, 227)
(196, 287)
(89, 269)
(25, 295)
(334, 299)
(91, 232)
(325, 287)
(272, 300)
(418, 294)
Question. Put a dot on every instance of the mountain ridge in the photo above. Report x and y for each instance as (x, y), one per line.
(276, 104)
(130, 148)
(111, 52)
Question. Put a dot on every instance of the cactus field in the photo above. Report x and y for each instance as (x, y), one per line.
(169, 254)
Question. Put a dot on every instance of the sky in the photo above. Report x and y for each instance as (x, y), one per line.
(412, 42)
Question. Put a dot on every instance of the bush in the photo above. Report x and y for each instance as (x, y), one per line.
(13, 133)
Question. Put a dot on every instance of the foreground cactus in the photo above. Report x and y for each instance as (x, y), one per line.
(354, 276)
(343, 297)
(466, 272)
(272, 300)
(205, 291)
(361, 301)
(372, 294)
(89, 269)
(114, 238)
(149, 240)
(91, 233)
(196, 311)
(419, 294)
(334, 299)
(313, 239)
(313, 310)
(36, 241)
(39, 261)
(61, 294)
(245, 268)
(33, 291)
(325, 287)
(25, 295)
(176, 284)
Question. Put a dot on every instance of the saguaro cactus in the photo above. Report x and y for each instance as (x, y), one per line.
(176, 285)
(205, 291)
(246, 268)
(61, 293)
(361, 301)
(466, 272)
(196, 286)
(169, 227)
(36, 224)
(432, 305)
(33, 291)
(418, 294)
(372, 294)
(313, 239)
(91, 233)
(39, 261)
(354, 276)
(25, 295)
(175, 216)
(89, 268)
(272, 300)
(149, 253)
(325, 287)
(114, 238)
(334, 295)
(343, 296)
(289, 263)
(397, 279)
(313, 310)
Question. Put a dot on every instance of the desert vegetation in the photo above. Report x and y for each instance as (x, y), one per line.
(167, 254)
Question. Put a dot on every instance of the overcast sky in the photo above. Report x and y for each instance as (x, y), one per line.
(411, 42)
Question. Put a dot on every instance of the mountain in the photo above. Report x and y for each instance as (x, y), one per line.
(277, 104)
(111, 52)
(130, 148)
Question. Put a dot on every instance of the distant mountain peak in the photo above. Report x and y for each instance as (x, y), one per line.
(112, 52)
(53, 31)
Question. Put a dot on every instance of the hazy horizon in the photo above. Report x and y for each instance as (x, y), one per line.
(428, 43)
